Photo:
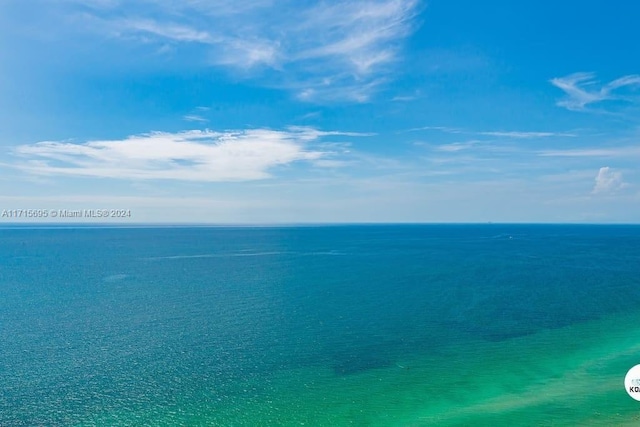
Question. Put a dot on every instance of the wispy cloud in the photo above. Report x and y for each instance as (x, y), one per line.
(582, 89)
(317, 50)
(191, 155)
(176, 32)
(457, 146)
(608, 181)
(624, 152)
(498, 134)
(360, 34)
(404, 98)
(525, 135)
(445, 129)
(194, 118)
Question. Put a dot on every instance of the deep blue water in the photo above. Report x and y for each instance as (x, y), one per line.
(98, 321)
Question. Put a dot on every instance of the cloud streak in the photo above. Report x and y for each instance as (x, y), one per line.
(194, 118)
(581, 90)
(525, 135)
(622, 152)
(498, 134)
(187, 156)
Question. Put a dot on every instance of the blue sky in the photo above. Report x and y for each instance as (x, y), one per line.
(304, 111)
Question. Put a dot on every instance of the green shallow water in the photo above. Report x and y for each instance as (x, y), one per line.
(564, 377)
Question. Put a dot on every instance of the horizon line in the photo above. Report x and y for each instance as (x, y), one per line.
(61, 225)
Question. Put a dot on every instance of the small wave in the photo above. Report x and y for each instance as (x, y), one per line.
(223, 255)
(245, 253)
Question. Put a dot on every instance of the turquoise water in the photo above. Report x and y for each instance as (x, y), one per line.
(345, 325)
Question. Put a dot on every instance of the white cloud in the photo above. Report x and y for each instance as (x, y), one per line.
(190, 155)
(582, 89)
(319, 51)
(608, 181)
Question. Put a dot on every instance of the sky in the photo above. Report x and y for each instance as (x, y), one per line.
(265, 111)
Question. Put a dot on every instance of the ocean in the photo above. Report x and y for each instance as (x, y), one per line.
(355, 325)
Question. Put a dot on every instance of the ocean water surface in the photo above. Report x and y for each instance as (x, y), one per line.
(388, 325)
